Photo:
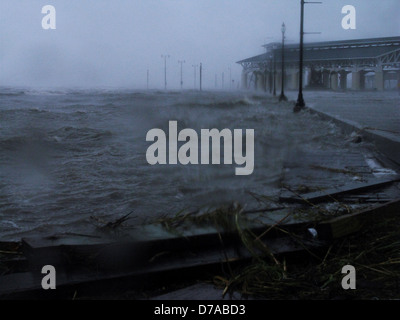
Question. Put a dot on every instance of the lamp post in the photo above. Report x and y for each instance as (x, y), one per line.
(270, 75)
(201, 76)
(300, 104)
(282, 96)
(165, 69)
(181, 62)
(274, 93)
(230, 78)
(195, 68)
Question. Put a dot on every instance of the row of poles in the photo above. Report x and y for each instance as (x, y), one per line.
(300, 103)
(181, 62)
(195, 66)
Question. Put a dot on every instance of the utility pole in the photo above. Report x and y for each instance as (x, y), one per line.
(147, 79)
(300, 104)
(230, 78)
(274, 93)
(165, 70)
(201, 74)
(270, 76)
(223, 81)
(181, 62)
(216, 84)
(282, 96)
(195, 67)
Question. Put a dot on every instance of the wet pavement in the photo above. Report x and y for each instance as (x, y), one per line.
(378, 112)
(371, 119)
(374, 115)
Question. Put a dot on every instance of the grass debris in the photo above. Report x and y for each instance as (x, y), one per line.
(374, 252)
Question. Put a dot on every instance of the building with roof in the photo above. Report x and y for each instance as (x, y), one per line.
(348, 64)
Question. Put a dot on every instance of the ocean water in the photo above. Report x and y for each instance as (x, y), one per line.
(69, 154)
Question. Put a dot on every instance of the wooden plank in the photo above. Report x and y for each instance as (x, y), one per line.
(29, 284)
(352, 223)
(319, 196)
(71, 251)
(199, 291)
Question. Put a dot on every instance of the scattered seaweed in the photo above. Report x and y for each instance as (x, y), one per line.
(336, 170)
(222, 218)
(374, 252)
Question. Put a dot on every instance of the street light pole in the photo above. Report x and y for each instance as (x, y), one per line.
(283, 97)
(270, 76)
(165, 70)
(195, 66)
(201, 75)
(230, 78)
(300, 104)
(274, 93)
(181, 62)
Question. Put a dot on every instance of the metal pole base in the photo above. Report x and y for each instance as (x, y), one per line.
(300, 104)
(282, 97)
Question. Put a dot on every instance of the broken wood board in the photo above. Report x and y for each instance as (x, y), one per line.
(333, 193)
(199, 291)
(163, 264)
(146, 242)
(352, 223)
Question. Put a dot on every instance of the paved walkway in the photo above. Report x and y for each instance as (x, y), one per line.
(375, 114)
(379, 112)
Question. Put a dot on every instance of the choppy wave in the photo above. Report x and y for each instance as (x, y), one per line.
(69, 155)
(73, 133)
(220, 104)
(12, 94)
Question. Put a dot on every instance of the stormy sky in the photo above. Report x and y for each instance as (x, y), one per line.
(101, 43)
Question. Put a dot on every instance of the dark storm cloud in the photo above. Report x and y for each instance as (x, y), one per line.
(113, 43)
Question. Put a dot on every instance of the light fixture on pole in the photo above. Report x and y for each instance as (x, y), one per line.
(181, 62)
(282, 96)
(195, 68)
(165, 70)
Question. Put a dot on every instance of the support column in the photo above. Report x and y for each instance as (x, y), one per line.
(278, 82)
(362, 80)
(334, 81)
(271, 82)
(343, 80)
(355, 80)
(244, 80)
(398, 81)
(325, 79)
(259, 82)
(307, 82)
(294, 85)
(265, 88)
(267, 81)
(379, 79)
